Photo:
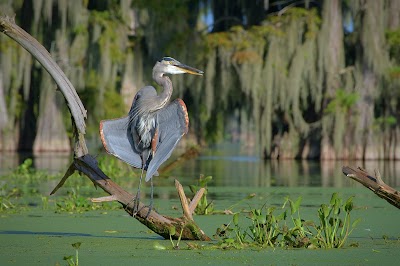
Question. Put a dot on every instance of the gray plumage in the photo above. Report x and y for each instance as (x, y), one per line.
(148, 135)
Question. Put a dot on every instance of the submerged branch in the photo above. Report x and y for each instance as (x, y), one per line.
(85, 163)
(375, 184)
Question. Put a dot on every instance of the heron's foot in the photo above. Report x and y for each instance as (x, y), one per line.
(149, 209)
(135, 204)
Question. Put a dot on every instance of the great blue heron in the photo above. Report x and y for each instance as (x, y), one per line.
(148, 135)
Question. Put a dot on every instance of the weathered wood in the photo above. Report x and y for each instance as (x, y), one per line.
(156, 222)
(185, 205)
(375, 184)
(85, 163)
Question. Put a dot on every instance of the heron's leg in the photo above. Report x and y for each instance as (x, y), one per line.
(151, 198)
(136, 199)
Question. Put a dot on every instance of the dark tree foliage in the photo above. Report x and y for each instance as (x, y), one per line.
(287, 78)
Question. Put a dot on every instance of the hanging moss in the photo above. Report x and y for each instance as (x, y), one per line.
(286, 81)
(272, 64)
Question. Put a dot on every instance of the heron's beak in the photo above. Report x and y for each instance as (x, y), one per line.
(189, 69)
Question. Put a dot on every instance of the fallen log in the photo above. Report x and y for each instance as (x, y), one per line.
(185, 226)
(375, 184)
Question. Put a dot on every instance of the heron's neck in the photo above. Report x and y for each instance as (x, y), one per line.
(165, 95)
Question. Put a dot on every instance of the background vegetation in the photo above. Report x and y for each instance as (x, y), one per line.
(292, 79)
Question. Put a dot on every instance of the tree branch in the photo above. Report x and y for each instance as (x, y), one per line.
(375, 184)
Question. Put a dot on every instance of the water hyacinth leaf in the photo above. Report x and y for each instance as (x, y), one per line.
(204, 181)
(193, 188)
(76, 245)
(336, 207)
(309, 223)
(229, 240)
(281, 216)
(236, 219)
(158, 246)
(273, 219)
(355, 223)
(297, 204)
(270, 210)
(263, 219)
(326, 210)
(334, 198)
(172, 230)
(297, 222)
(348, 206)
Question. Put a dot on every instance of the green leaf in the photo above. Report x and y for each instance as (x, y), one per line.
(229, 240)
(158, 246)
(297, 222)
(309, 223)
(236, 219)
(355, 223)
(77, 245)
(172, 230)
(193, 188)
(297, 203)
(204, 181)
(348, 206)
(281, 216)
(326, 210)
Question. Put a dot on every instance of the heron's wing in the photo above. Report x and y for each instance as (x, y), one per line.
(116, 135)
(118, 141)
(173, 123)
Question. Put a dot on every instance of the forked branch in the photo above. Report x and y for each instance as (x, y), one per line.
(87, 165)
(375, 184)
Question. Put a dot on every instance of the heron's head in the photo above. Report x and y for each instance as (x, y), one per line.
(169, 65)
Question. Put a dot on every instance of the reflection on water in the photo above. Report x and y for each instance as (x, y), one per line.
(252, 172)
(51, 162)
(231, 167)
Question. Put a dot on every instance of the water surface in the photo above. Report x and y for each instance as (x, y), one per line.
(36, 235)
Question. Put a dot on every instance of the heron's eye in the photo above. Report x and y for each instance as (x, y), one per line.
(168, 60)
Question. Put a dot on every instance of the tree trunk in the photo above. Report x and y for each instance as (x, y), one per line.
(331, 62)
(51, 133)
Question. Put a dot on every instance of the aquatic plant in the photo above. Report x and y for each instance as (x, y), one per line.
(203, 207)
(269, 229)
(70, 259)
(333, 231)
(5, 195)
(172, 232)
(75, 203)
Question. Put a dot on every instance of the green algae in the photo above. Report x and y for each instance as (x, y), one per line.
(43, 237)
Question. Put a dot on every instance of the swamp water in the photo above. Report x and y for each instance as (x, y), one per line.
(36, 234)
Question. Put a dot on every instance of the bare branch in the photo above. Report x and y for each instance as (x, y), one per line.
(375, 184)
(184, 202)
(196, 199)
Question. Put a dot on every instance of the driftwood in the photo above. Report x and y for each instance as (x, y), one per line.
(85, 163)
(375, 184)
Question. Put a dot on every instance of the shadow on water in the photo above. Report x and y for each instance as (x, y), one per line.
(68, 234)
